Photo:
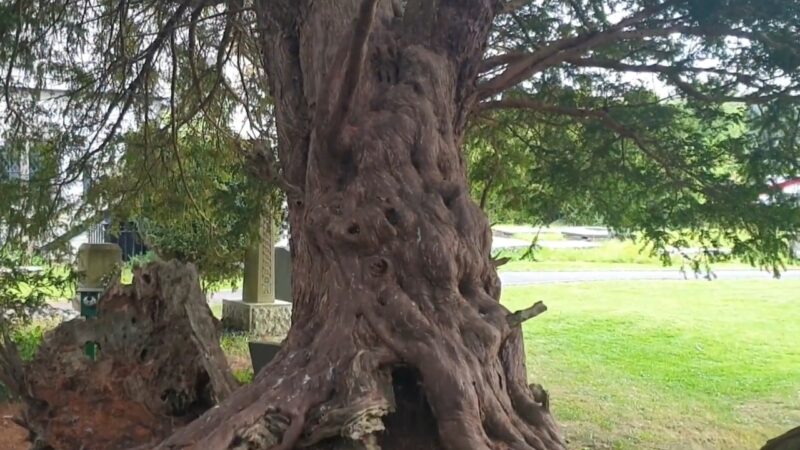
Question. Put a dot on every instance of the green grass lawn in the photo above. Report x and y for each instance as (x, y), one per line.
(667, 365)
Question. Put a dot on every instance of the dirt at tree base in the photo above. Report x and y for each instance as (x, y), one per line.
(12, 436)
(159, 366)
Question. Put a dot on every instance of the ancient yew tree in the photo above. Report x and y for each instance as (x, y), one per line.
(359, 110)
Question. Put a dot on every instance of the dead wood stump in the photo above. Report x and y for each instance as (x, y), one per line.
(159, 366)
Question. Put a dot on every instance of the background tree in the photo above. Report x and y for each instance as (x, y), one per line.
(531, 168)
(195, 202)
(397, 324)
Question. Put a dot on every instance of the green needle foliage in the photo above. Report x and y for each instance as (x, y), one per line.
(663, 119)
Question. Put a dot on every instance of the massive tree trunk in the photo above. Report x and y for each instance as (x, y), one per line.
(398, 338)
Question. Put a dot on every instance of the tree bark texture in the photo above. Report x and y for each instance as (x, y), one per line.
(159, 367)
(398, 338)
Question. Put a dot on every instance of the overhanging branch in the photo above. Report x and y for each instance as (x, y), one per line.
(604, 118)
(521, 66)
(678, 67)
(124, 100)
(754, 98)
(672, 74)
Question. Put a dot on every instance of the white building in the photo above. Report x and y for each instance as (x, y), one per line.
(51, 105)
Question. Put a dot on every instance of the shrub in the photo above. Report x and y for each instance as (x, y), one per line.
(29, 338)
(25, 289)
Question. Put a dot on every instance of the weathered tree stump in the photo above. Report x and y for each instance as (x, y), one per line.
(159, 366)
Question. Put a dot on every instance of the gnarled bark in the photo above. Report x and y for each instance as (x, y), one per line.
(398, 338)
(159, 367)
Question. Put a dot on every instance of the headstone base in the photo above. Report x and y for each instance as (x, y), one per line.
(262, 352)
(260, 319)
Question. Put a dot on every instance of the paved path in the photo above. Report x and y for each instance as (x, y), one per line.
(501, 243)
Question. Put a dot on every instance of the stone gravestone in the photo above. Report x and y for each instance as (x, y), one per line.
(95, 264)
(98, 267)
(259, 312)
(262, 351)
(283, 274)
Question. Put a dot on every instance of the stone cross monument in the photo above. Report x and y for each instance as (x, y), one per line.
(259, 312)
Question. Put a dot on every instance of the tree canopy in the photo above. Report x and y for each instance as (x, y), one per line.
(651, 116)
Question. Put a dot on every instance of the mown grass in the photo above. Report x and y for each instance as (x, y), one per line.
(236, 349)
(235, 346)
(667, 365)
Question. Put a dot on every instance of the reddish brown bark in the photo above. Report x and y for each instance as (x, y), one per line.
(398, 338)
(159, 367)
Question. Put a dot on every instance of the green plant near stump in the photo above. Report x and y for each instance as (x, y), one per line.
(27, 338)
(244, 376)
(24, 288)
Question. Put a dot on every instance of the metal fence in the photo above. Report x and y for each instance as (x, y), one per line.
(126, 236)
(96, 234)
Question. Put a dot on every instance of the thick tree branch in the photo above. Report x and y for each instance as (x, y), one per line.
(524, 65)
(521, 66)
(677, 67)
(495, 61)
(356, 56)
(672, 75)
(522, 315)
